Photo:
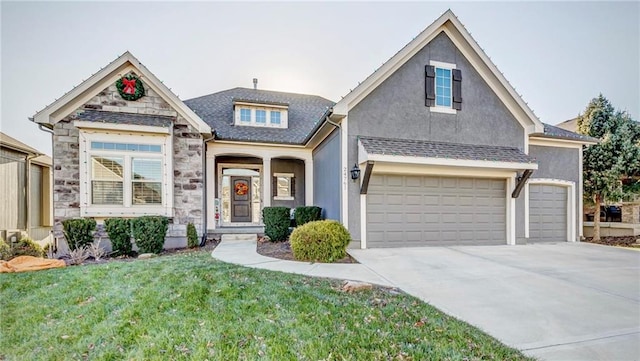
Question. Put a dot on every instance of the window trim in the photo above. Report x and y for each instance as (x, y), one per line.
(267, 109)
(439, 108)
(128, 208)
(290, 197)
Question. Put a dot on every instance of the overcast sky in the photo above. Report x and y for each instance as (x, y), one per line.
(557, 55)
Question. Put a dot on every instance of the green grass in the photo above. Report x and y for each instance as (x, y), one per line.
(190, 306)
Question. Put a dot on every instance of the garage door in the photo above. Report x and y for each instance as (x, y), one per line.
(547, 213)
(405, 211)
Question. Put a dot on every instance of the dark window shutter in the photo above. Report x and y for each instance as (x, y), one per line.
(457, 89)
(293, 186)
(274, 190)
(429, 85)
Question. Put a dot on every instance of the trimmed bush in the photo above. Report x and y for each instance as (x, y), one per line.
(320, 241)
(307, 214)
(119, 231)
(150, 232)
(192, 236)
(276, 222)
(78, 232)
(5, 250)
(26, 247)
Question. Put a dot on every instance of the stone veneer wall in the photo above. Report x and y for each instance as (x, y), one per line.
(188, 179)
(631, 212)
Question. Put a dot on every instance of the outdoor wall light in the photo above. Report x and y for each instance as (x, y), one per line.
(355, 172)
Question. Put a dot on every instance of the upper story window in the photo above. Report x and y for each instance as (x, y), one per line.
(259, 115)
(245, 115)
(275, 117)
(443, 87)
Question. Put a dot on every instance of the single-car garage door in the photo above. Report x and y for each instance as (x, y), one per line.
(408, 210)
(547, 213)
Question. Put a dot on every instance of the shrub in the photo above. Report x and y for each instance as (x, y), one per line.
(192, 236)
(78, 255)
(5, 250)
(78, 232)
(149, 233)
(276, 222)
(307, 214)
(320, 241)
(119, 231)
(94, 250)
(26, 247)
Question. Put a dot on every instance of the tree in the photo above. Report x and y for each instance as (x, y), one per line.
(615, 158)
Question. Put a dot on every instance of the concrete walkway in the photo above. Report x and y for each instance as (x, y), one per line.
(243, 252)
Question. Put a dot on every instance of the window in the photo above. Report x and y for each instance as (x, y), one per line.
(261, 116)
(284, 186)
(443, 87)
(107, 177)
(275, 117)
(125, 175)
(147, 181)
(245, 115)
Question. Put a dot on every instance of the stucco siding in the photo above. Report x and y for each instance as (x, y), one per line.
(561, 164)
(326, 176)
(296, 167)
(396, 109)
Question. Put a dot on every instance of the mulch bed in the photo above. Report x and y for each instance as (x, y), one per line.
(282, 250)
(626, 241)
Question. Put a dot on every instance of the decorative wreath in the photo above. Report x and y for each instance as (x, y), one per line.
(241, 189)
(130, 87)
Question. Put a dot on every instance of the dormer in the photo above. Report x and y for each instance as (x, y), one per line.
(251, 114)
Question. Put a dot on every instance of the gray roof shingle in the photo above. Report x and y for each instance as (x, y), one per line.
(100, 116)
(551, 131)
(305, 114)
(428, 149)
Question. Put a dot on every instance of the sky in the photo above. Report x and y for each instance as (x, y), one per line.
(557, 55)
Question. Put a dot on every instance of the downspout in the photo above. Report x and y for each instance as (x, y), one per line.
(203, 241)
(51, 220)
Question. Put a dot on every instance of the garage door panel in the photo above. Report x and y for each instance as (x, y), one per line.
(547, 213)
(440, 211)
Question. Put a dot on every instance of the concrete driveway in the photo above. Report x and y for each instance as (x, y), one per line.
(564, 301)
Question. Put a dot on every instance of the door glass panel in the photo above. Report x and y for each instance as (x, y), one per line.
(226, 199)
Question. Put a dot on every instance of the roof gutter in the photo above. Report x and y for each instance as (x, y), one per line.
(325, 119)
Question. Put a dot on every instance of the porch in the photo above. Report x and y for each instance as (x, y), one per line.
(242, 179)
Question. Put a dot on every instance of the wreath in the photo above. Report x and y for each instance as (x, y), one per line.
(130, 87)
(241, 189)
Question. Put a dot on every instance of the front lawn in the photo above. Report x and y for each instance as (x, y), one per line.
(190, 306)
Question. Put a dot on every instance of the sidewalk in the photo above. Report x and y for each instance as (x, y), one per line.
(244, 253)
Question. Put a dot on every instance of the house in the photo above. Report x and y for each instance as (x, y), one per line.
(433, 148)
(25, 191)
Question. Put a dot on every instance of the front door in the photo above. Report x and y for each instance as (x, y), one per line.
(240, 199)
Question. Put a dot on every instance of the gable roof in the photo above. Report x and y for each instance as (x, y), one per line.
(305, 115)
(13, 143)
(453, 28)
(125, 63)
(554, 132)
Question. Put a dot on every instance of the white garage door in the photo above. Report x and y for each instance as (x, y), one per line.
(405, 211)
(547, 213)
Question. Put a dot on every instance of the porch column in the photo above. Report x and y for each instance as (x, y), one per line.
(266, 181)
(308, 181)
(212, 178)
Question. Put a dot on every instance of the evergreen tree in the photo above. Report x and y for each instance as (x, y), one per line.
(614, 159)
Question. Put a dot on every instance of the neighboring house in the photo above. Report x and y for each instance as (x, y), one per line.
(25, 191)
(441, 148)
(570, 125)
